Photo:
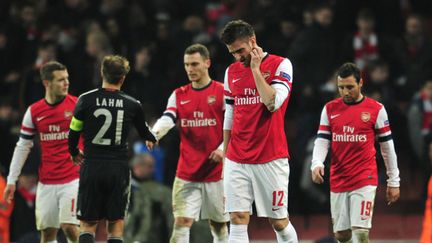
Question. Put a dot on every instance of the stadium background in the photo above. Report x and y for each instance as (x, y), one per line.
(316, 35)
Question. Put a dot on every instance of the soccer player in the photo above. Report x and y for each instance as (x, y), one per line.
(49, 118)
(257, 90)
(104, 116)
(349, 125)
(199, 109)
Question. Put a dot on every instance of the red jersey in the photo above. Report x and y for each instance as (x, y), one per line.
(51, 124)
(352, 129)
(257, 135)
(199, 114)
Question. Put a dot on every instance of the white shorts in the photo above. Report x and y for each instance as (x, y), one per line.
(352, 209)
(56, 204)
(266, 184)
(191, 198)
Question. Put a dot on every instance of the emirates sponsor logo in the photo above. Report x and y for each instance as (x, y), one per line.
(250, 98)
(53, 136)
(349, 137)
(205, 122)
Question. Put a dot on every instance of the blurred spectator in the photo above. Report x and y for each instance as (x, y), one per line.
(415, 55)
(366, 45)
(8, 120)
(9, 64)
(24, 208)
(97, 46)
(420, 122)
(32, 88)
(5, 210)
(379, 86)
(150, 219)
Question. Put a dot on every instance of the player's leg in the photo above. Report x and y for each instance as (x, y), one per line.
(47, 212)
(361, 212)
(270, 188)
(49, 235)
(91, 201)
(87, 231)
(239, 198)
(115, 231)
(187, 201)
(339, 205)
(213, 209)
(68, 194)
(118, 180)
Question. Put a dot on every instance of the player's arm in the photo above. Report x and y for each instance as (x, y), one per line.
(75, 129)
(229, 113)
(20, 154)
(167, 120)
(321, 147)
(388, 152)
(142, 127)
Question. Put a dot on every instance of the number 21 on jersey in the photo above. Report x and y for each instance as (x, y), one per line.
(99, 138)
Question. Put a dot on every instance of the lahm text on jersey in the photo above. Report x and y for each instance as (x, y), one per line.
(109, 102)
(349, 136)
(198, 121)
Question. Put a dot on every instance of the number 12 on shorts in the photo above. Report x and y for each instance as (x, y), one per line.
(278, 198)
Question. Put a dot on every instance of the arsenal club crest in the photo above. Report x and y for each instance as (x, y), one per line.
(68, 114)
(266, 74)
(211, 99)
(365, 116)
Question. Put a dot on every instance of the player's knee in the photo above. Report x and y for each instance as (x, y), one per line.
(183, 221)
(49, 234)
(71, 231)
(279, 224)
(217, 226)
(361, 235)
(343, 236)
(239, 217)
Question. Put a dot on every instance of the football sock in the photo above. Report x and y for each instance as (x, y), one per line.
(86, 237)
(287, 235)
(238, 233)
(221, 236)
(180, 235)
(114, 239)
(360, 236)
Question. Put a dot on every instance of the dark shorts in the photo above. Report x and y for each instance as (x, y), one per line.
(104, 191)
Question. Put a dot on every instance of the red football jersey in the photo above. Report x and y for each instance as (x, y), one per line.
(352, 129)
(257, 135)
(199, 114)
(51, 124)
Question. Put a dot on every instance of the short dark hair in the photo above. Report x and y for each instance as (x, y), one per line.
(236, 29)
(348, 69)
(114, 67)
(46, 71)
(198, 48)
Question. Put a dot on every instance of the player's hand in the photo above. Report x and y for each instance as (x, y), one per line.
(150, 145)
(78, 159)
(216, 156)
(257, 55)
(317, 175)
(393, 194)
(9, 192)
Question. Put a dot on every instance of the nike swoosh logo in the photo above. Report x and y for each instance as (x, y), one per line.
(40, 118)
(334, 116)
(275, 209)
(235, 80)
(364, 218)
(182, 102)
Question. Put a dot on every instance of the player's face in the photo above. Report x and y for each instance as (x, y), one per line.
(241, 49)
(196, 66)
(349, 89)
(59, 85)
